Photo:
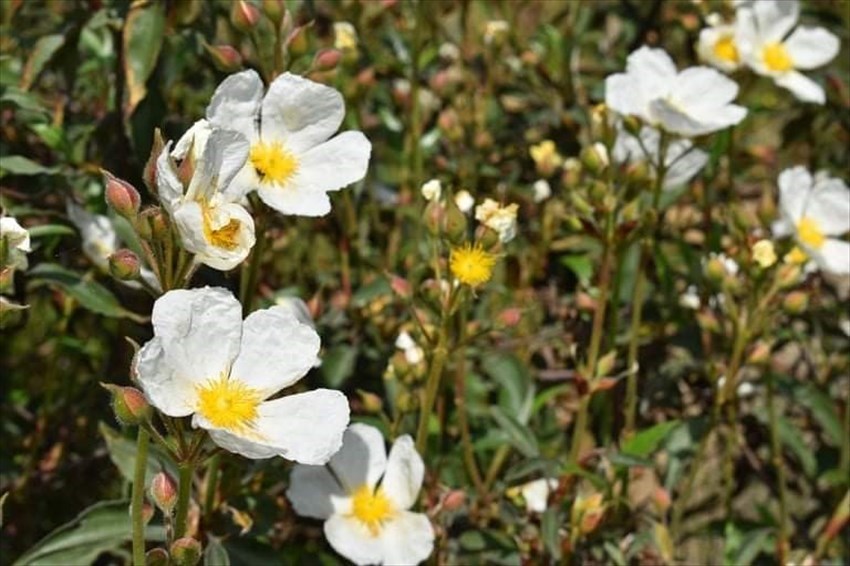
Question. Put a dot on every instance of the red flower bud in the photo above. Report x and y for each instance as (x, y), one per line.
(130, 405)
(164, 492)
(121, 196)
(225, 57)
(244, 16)
(124, 265)
(327, 59)
(186, 552)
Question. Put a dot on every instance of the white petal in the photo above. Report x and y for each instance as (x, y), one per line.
(315, 493)
(277, 350)
(833, 257)
(781, 228)
(404, 475)
(700, 90)
(795, 186)
(199, 330)
(362, 459)
(235, 105)
(303, 112)
(190, 224)
(225, 153)
(169, 187)
(290, 200)
(803, 87)
(536, 494)
(654, 70)
(163, 385)
(812, 47)
(350, 538)
(775, 17)
(673, 119)
(334, 164)
(829, 204)
(684, 162)
(195, 137)
(621, 97)
(407, 539)
(306, 427)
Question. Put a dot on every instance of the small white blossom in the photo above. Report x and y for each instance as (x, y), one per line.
(464, 201)
(432, 190)
(501, 219)
(345, 36)
(542, 190)
(412, 352)
(536, 494)
(17, 242)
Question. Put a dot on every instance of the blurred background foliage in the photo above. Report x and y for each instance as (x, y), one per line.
(83, 85)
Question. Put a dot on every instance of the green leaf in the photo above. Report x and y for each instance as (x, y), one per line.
(103, 527)
(215, 554)
(89, 294)
(580, 265)
(20, 165)
(751, 544)
(338, 365)
(507, 371)
(518, 435)
(122, 452)
(823, 410)
(549, 530)
(43, 50)
(646, 442)
(790, 436)
(45, 230)
(143, 34)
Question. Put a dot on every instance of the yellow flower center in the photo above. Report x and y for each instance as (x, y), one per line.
(545, 154)
(371, 508)
(272, 162)
(226, 237)
(776, 58)
(228, 403)
(809, 232)
(471, 264)
(726, 50)
(796, 256)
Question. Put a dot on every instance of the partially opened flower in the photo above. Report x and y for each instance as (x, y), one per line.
(212, 223)
(717, 46)
(501, 219)
(366, 522)
(769, 49)
(692, 102)
(682, 161)
(813, 210)
(205, 361)
(15, 242)
(293, 161)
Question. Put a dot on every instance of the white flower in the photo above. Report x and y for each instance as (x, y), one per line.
(345, 36)
(364, 522)
(682, 160)
(536, 494)
(449, 51)
(292, 162)
(764, 253)
(432, 190)
(542, 190)
(16, 239)
(212, 225)
(205, 361)
(464, 201)
(717, 47)
(690, 298)
(692, 102)
(412, 352)
(812, 210)
(495, 30)
(301, 312)
(766, 46)
(501, 219)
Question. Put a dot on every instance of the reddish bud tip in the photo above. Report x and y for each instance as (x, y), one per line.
(164, 492)
(225, 57)
(124, 265)
(244, 16)
(185, 552)
(130, 405)
(121, 196)
(510, 317)
(327, 59)
(454, 500)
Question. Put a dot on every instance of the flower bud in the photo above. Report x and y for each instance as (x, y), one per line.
(632, 125)
(595, 158)
(296, 42)
(121, 196)
(795, 302)
(454, 500)
(401, 286)
(147, 512)
(274, 10)
(156, 557)
(455, 222)
(164, 492)
(244, 16)
(572, 173)
(510, 317)
(715, 269)
(130, 405)
(185, 552)
(149, 172)
(662, 500)
(760, 353)
(789, 275)
(124, 265)
(372, 404)
(153, 224)
(327, 59)
(434, 214)
(487, 237)
(225, 57)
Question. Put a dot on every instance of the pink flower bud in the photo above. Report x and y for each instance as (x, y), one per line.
(225, 57)
(156, 557)
(244, 16)
(186, 552)
(510, 316)
(121, 196)
(124, 265)
(327, 59)
(149, 172)
(454, 500)
(164, 492)
(130, 405)
(401, 286)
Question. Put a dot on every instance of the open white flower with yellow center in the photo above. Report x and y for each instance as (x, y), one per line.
(293, 161)
(692, 102)
(15, 242)
(767, 47)
(812, 211)
(682, 161)
(211, 222)
(365, 522)
(717, 45)
(205, 361)
(501, 219)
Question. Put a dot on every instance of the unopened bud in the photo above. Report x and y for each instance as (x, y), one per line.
(155, 224)
(455, 222)
(510, 317)
(129, 404)
(164, 492)
(244, 16)
(121, 196)
(662, 500)
(327, 59)
(225, 57)
(632, 125)
(434, 214)
(296, 43)
(572, 173)
(124, 265)
(401, 286)
(707, 321)
(759, 354)
(598, 192)
(147, 512)
(274, 10)
(486, 236)
(454, 500)
(789, 275)
(795, 302)
(185, 552)
(595, 158)
(149, 172)
(156, 557)
(372, 403)
(715, 270)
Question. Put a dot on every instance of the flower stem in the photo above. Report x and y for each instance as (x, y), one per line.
(138, 497)
(211, 485)
(460, 407)
(184, 491)
(779, 465)
(251, 272)
(432, 385)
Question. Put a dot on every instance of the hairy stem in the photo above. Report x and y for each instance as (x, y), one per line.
(779, 466)
(184, 492)
(138, 497)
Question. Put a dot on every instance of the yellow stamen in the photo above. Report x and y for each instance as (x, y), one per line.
(726, 50)
(228, 403)
(226, 237)
(796, 256)
(471, 264)
(272, 162)
(371, 508)
(809, 232)
(776, 58)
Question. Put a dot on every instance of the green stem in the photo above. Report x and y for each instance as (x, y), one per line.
(211, 485)
(184, 493)
(138, 497)
(779, 466)
(250, 275)
(431, 387)
(460, 406)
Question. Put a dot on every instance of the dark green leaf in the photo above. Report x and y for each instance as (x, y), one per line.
(519, 435)
(338, 365)
(549, 530)
(20, 165)
(215, 554)
(645, 442)
(143, 34)
(41, 53)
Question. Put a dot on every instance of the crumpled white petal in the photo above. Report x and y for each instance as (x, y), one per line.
(162, 383)
(795, 185)
(334, 164)
(833, 257)
(829, 203)
(191, 223)
(315, 493)
(294, 201)
(775, 18)
(362, 459)
(405, 472)
(235, 104)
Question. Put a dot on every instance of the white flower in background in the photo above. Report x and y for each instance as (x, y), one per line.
(692, 102)
(412, 352)
(495, 31)
(501, 219)
(432, 190)
(293, 161)
(812, 210)
(542, 190)
(364, 522)
(536, 493)
(205, 361)
(690, 298)
(449, 51)
(682, 160)
(717, 45)
(16, 241)
(464, 201)
(212, 225)
(769, 49)
(345, 36)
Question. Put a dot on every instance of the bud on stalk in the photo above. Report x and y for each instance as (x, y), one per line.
(130, 406)
(244, 16)
(186, 552)
(124, 265)
(121, 196)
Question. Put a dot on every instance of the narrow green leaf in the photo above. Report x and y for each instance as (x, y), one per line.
(20, 165)
(518, 435)
(43, 50)
(646, 442)
(143, 33)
